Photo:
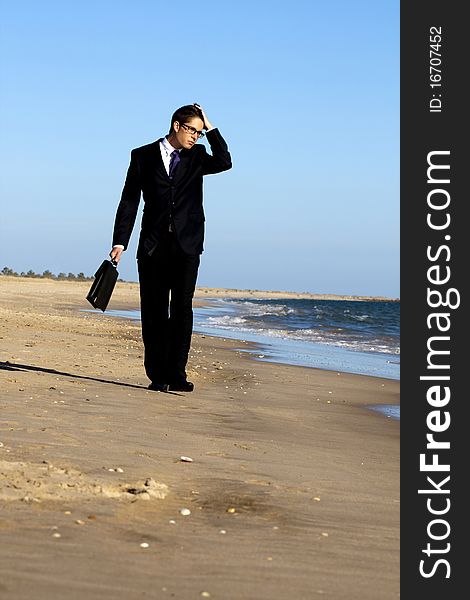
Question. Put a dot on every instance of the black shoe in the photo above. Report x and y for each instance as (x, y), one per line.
(158, 387)
(181, 386)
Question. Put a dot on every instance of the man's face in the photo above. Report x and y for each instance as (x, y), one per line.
(186, 133)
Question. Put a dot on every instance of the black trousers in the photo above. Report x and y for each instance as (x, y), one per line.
(167, 283)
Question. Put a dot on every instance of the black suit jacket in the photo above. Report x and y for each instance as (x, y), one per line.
(178, 199)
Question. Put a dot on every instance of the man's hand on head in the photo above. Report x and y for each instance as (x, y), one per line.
(207, 124)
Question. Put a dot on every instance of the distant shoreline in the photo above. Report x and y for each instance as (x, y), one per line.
(267, 294)
(205, 292)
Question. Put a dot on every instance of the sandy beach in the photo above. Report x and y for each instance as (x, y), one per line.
(292, 491)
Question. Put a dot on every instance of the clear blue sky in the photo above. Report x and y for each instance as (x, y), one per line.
(306, 94)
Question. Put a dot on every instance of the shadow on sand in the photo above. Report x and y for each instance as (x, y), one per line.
(9, 366)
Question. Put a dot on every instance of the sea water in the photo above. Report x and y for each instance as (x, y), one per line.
(352, 336)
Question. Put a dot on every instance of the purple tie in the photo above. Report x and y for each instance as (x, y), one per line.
(175, 158)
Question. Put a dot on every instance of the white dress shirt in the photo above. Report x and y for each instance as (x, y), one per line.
(166, 149)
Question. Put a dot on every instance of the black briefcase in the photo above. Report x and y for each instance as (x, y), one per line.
(103, 285)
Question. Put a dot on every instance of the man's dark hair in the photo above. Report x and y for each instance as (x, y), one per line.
(184, 113)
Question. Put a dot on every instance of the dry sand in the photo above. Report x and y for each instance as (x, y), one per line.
(293, 490)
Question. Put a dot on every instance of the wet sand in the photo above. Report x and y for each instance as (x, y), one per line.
(293, 490)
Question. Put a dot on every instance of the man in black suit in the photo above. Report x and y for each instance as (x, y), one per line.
(169, 174)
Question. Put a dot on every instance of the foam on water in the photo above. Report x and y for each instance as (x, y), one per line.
(333, 335)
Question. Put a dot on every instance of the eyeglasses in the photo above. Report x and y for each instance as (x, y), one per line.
(193, 131)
